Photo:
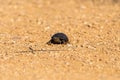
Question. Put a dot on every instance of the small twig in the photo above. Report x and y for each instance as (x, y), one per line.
(32, 51)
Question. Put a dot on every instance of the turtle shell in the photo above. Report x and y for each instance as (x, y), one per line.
(58, 38)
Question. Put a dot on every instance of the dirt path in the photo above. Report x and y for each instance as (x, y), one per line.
(92, 27)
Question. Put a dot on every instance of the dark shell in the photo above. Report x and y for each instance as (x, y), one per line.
(58, 38)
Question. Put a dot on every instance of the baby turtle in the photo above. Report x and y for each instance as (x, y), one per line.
(58, 38)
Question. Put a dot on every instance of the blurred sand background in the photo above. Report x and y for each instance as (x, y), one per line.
(93, 27)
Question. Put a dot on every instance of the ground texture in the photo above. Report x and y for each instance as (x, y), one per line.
(93, 28)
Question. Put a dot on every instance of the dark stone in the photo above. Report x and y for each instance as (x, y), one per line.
(58, 38)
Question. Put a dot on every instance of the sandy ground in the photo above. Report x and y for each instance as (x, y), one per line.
(93, 28)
